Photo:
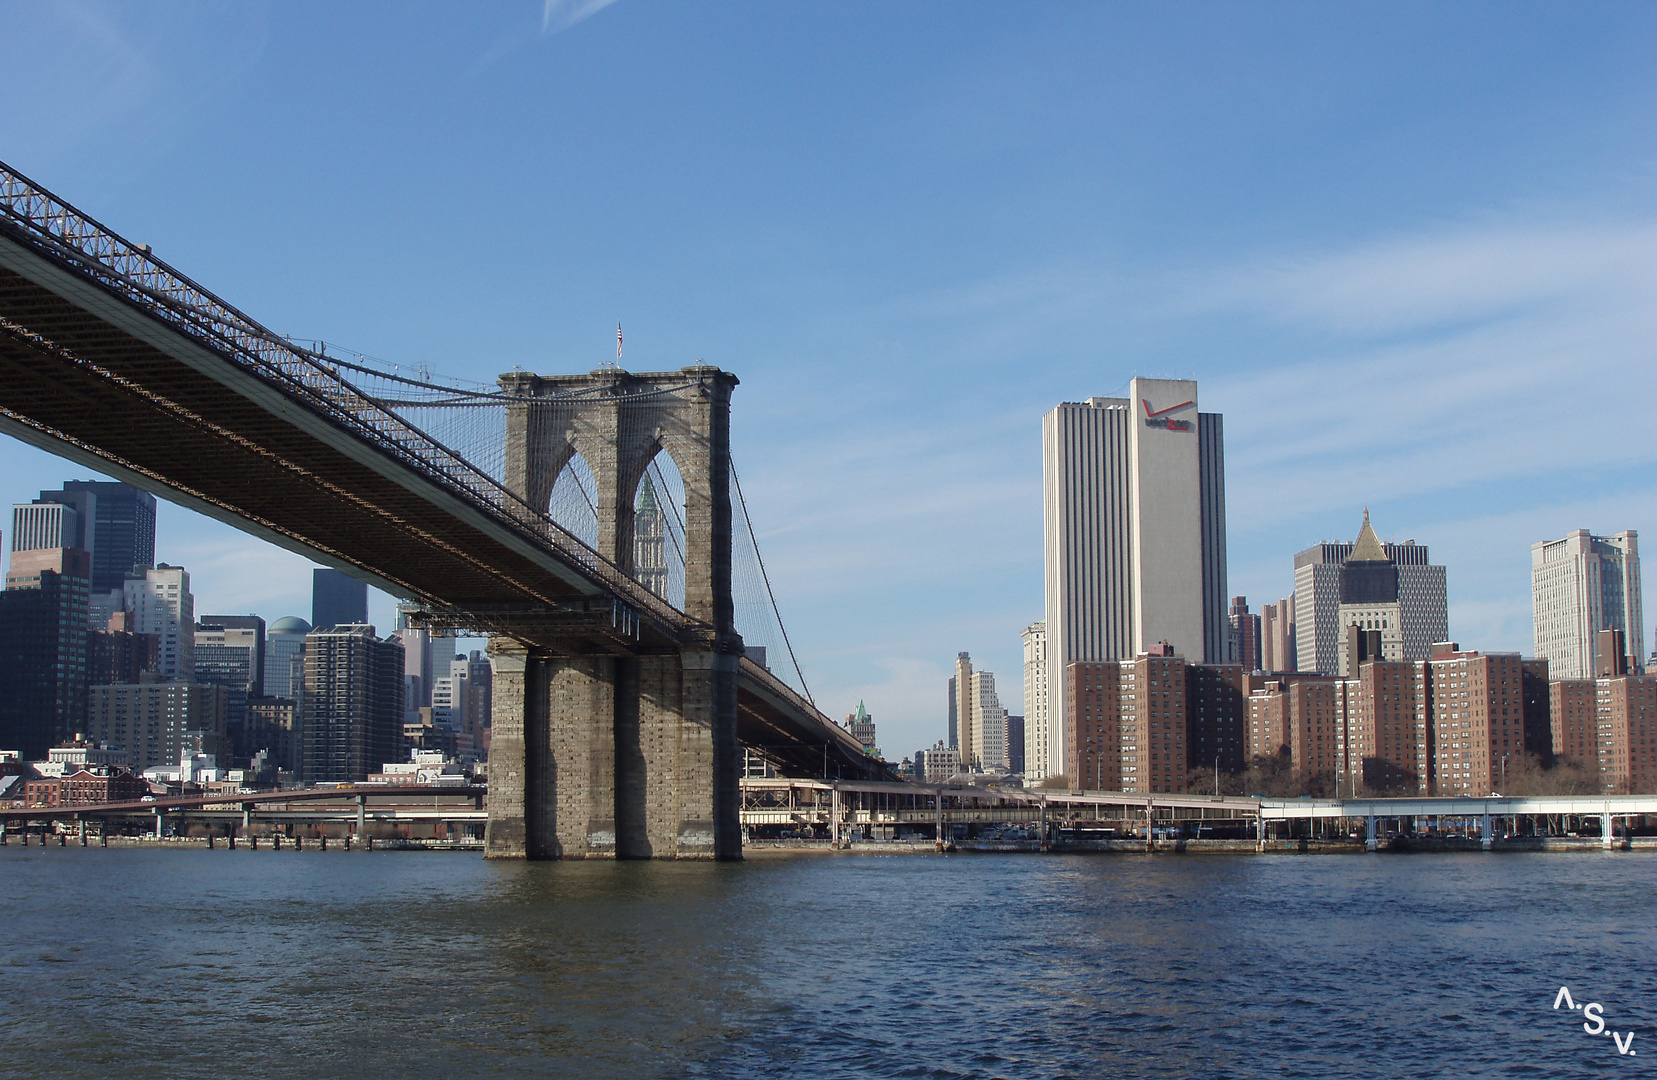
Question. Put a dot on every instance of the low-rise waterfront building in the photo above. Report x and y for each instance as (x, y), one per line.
(86, 785)
(942, 762)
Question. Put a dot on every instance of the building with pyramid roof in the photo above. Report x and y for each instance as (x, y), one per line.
(862, 727)
(1389, 590)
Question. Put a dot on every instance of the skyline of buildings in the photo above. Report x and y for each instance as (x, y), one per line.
(1460, 722)
(132, 666)
(157, 606)
(1353, 675)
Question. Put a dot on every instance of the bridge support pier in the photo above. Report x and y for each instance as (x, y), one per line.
(1370, 842)
(596, 752)
(613, 757)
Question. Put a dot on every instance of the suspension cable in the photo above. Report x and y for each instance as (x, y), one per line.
(662, 496)
(737, 483)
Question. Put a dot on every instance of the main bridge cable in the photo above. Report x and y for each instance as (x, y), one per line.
(673, 505)
(743, 502)
(459, 395)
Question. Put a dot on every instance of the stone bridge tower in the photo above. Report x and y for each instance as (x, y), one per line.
(623, 755)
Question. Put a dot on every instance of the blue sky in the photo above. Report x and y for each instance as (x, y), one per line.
(1410, 251)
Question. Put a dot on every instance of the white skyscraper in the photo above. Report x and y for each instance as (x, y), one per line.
(1036, 762)
(989, 725)
(1134, 506)
(960, 693)
(1580, 585)
(40, 526)
(160, 603)
(417, 670)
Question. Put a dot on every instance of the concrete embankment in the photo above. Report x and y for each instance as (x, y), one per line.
(763, 848)
(1422, 845)
(265, 843)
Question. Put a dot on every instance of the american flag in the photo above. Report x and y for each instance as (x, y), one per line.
(618, 342)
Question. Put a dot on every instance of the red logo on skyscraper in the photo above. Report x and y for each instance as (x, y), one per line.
(1160, 418)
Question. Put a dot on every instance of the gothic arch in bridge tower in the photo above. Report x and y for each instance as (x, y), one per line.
(572, 502)
(659, 530)
(616, 754)
(618, 422)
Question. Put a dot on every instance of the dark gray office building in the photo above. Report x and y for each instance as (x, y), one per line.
(337, 599)
(230, 652)
(43, 650)
(116, 524)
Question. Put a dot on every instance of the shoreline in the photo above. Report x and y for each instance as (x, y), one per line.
(1413, 846)
(773, 849)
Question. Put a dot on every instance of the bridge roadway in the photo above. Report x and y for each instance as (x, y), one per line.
(111, 358)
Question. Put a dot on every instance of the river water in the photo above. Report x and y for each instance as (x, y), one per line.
(139, 963)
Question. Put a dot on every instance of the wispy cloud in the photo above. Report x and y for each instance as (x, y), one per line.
(1443, 362)
(563, 14)
(1483, 381)
(1449, 276)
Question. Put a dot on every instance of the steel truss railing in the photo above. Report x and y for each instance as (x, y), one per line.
(38, 219)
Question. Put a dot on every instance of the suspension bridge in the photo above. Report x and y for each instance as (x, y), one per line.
(625, 695)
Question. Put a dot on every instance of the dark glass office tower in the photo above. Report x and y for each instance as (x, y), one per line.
(117, 526)
(337, 599)
(43, 650)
